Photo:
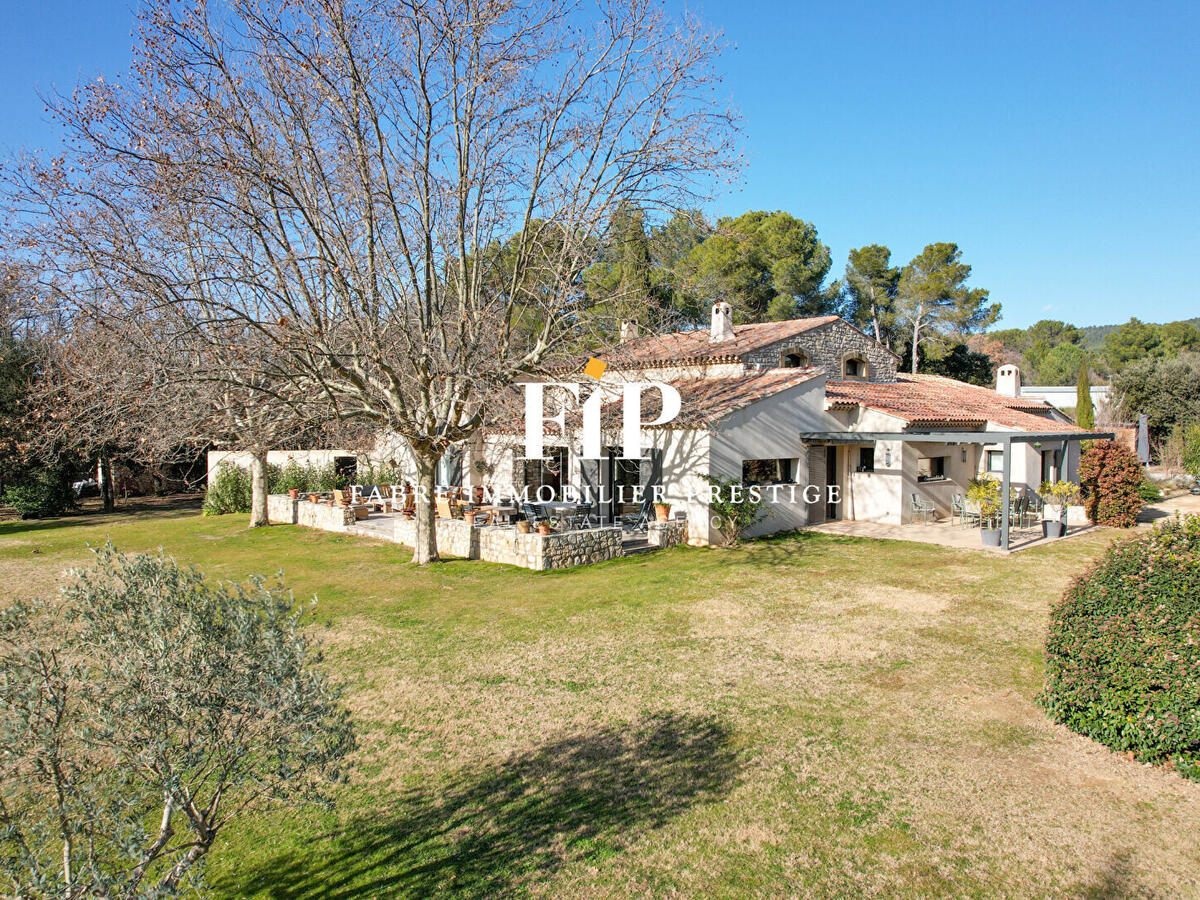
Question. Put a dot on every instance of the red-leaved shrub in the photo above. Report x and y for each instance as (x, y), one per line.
(1111, 477)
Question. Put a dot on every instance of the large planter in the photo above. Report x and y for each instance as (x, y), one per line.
(294, 493)
(1053, 529)
(990, 537)
(662, 511)
(523, 526)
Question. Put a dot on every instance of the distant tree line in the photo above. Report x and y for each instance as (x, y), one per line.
(773, 266)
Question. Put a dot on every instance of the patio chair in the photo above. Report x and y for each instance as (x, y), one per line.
(443, 508)
(958, 507)
(639, 521)
(581, 518)
(921, 507)
(533, 512)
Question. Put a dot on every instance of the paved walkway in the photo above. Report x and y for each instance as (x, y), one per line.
(943, 533)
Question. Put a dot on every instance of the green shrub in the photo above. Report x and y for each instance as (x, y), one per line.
(1111, 477)
(228, 491)
(735, 507)
(1149, 491)
(43, 494)
(1123, 649)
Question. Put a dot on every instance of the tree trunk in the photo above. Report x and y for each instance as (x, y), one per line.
(426, 549)
(104, 476)
(916, 344)
(258, 489)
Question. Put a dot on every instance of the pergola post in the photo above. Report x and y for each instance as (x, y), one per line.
(1005, 491)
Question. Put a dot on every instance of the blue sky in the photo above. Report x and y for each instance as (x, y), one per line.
(1057, 142)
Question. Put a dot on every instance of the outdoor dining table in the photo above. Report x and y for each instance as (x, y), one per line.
(499, 510)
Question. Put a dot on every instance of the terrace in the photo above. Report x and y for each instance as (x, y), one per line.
(492, 533)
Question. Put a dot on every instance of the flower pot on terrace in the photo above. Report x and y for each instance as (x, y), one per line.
(523, 526)
(314, 498)
(1053, 528)
(990, 537)
(544, 529)
(469, 517)
(294, 493)
(662, 511)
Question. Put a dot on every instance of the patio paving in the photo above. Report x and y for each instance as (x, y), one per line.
(944, 533)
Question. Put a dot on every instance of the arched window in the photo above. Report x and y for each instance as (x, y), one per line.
(794, 360)
(854, 367)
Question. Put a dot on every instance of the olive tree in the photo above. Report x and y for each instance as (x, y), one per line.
(336, 175)
(143, 714)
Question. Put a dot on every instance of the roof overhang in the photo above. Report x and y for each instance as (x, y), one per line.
(955, 437)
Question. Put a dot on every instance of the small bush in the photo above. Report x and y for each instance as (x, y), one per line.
(1111, 477)
(1149, 491)
(1123, 649)
(735, 507)
(43, 494)
(228, 491)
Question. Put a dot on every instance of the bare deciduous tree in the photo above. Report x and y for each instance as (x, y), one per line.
(396, 197)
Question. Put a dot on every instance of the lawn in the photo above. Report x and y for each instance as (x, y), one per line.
(806, 716)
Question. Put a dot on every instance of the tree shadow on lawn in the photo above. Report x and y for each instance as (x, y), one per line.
(489, 834)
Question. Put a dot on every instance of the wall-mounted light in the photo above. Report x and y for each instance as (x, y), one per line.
(887, 456)
(964, 452)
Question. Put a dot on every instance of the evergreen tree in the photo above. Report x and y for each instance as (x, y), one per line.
(871, 283)
(1085, 412)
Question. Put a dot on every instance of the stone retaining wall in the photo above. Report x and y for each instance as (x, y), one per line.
(504, 544)
(666, 534)
(283, 510)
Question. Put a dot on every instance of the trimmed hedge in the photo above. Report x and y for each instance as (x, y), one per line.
(1111, 478)
(1123, 649)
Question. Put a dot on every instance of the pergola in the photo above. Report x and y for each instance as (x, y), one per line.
(1004, 438)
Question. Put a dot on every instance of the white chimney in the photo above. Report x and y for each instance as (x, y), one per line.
(1008, 381)
(629, 330)
(722, 322)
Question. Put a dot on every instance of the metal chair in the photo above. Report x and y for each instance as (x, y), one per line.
(582, 518)
(639, 521)
(921, 507)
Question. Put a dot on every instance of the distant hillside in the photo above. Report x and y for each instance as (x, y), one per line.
(1094, 335)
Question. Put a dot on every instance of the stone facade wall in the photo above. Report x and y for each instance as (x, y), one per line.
(666, 534)
(826, 347)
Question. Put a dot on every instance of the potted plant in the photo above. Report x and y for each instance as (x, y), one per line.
(662, 511)
(1059, 495)
(522, 526)
(985, 492)
(544, 528)
(469, 516)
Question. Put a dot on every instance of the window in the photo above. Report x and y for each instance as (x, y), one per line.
(767, 471)
(854, 367)
(995, 461)
(549, 473)
(931, 468)
(866, 459)
(795, 360)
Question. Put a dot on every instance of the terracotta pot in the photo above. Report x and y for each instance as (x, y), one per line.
(469, 517)
(314, 498)
(294, 493)
(523, 526)
(662, 511)
(544, 529)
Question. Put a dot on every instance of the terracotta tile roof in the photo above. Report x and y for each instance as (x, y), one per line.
(694, 346)
(934, 401)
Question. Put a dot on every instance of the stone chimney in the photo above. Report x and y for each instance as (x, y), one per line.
(629, 330)
(1008, 381)
(722, 322)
